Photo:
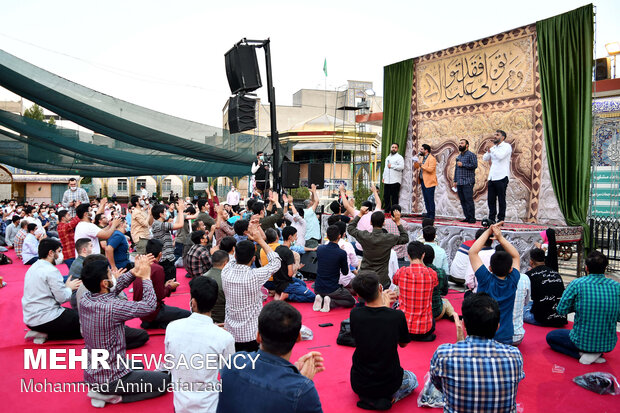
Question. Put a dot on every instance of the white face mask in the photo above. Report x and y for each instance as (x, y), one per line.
(60, 259)
(73, 188)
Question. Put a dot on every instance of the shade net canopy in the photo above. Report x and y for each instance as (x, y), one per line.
(171, 144)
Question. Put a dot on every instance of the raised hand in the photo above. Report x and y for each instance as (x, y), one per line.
(363, 210)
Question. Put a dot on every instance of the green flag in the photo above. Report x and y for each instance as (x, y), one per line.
(325, 67)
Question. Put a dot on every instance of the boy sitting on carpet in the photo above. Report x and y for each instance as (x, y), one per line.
(500, 280)
(376, 374)
(441, 306)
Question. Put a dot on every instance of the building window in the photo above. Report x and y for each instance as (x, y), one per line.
(166, 185)
(140, 183)
(121, 185)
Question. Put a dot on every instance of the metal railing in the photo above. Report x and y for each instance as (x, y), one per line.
(605, 235)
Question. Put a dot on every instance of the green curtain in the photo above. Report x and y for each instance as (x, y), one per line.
(565, 45)
(397, 85)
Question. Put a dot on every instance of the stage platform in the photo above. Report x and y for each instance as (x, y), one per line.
(452, 232)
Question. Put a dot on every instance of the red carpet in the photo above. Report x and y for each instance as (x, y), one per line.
(547, 387)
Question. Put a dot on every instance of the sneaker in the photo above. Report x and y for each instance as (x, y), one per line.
(589, 358)
(99, 399)
(36, 337)
(326, 303)
(318, 302)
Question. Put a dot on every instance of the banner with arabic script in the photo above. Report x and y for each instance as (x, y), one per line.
(496, 72)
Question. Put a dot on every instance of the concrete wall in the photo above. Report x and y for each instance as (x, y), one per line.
(38, 192)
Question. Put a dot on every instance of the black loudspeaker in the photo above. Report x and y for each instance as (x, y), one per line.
(242, 69)
(241, 114)
(316, 175)
(309, 259)
(602, 68)
(290, 175)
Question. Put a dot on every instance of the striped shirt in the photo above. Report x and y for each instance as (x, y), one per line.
(18, 242)
(595, 300)
(79, 196)
(477, 375)
(102, 317)
(522, 297)
(466, 174)
(244, 299)
(163, 232)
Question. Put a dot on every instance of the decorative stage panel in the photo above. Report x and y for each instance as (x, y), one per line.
(468, 92)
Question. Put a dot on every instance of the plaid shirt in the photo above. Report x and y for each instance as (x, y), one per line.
(594, 299)
(18, 243)
(102, 317)
(244, 300)
(66, 233)
(440, 290)
(390, 226)
(466, 174)
(477, 375)
(198, 260)
(416, 284)
(78, 195)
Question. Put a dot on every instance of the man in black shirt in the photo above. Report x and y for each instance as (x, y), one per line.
(287, 287)
(547, 290)
(376, 374)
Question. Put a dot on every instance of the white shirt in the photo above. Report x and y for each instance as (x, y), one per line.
(352, 260)
(88, 230)
(522, 297)
(299, 224)
(144, 193)
(499, 155)
(470, 277)
(394, 174)
(44, 292)
(232, 198)
(196, 334)
(30, 248)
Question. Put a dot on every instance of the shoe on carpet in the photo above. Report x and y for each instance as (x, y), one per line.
(36, 337)
(374, 404)
(589, 358)
(326, 303)
(318, 303)
(471, 221)
(464, 220)
(100, 399)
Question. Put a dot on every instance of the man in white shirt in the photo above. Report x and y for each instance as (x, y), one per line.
(392, 177)
(499, 155)
(197, 334)
(44, 292)
(86, 229)
(30, 248)
(11, 230)
(233, 196)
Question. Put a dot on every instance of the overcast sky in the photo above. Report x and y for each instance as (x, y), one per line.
(169, 56)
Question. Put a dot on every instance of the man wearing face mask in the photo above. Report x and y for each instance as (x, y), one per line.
(499, 155)
(232, 198)
(392, 176)
(44, 292)
(141, 221)
(74, 196)
(464, 180)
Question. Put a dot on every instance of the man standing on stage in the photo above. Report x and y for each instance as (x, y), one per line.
(427, 178)
(260, 172)
(392, 176)
(464, 180)
(499, 155)
(74, 196)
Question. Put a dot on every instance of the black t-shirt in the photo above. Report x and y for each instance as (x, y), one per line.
(376, 371)
(281, 280)
(547, 290)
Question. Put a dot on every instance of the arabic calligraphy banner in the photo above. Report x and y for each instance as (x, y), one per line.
(492, 73)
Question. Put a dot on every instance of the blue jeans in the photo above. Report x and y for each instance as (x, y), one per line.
(299, 292)
(410, 383)
(528, 317)
(560, 341)
(429, 200)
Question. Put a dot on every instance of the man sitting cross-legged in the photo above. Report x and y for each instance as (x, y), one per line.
(197, 334)
(286, 286)
(331, 262)
(273, 383)
(478, 374)
(44, 292)
(547, 289)
(103, 317)
(416, 284)
(594, 299)
(376, 374)
(163, 313)
(84, 248)
(441, 306)
(220, 258)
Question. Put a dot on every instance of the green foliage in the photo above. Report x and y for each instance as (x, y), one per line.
(86, 180)
(361, 194)
(51, 121)
(300, 193)
(34, 112)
